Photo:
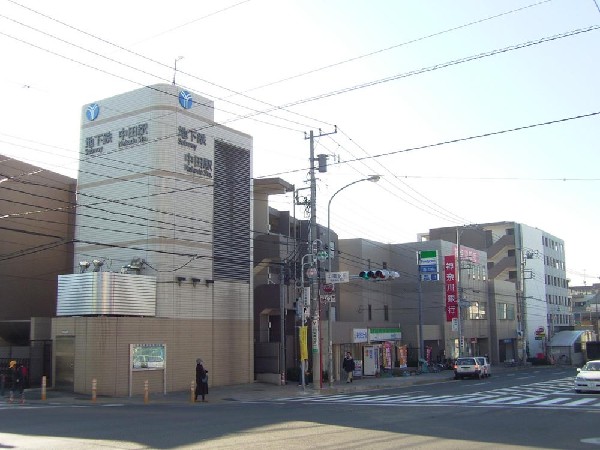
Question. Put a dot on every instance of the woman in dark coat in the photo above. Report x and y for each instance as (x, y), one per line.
(201, 380)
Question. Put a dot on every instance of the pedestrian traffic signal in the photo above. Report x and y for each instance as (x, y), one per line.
(381, 274)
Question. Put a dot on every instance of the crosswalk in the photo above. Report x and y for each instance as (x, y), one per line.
(557, 393)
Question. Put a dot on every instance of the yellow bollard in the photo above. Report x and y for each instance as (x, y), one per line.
(146, 392)
(94, 388)
(192, 393)
(44, 387)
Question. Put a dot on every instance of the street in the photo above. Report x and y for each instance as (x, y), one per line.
(522, 409)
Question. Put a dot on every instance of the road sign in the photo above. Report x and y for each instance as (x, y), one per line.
(337, 277)
(430, 276)
(328, 288)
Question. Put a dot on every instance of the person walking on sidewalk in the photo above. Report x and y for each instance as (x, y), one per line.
(17, 383)
(349, 367)
(201, 380)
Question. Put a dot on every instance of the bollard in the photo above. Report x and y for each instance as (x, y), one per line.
(192, 393)
(44, 387)
(94, 387)
(146, 392)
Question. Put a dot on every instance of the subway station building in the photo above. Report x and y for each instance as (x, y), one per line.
(163, 248)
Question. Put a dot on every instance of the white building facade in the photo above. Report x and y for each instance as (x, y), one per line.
(164, 192)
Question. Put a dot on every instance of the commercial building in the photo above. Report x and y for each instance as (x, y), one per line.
(534, 262)
(163, 248)
(416, 301)
(37, 245)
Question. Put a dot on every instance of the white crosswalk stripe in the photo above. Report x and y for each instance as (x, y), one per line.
(549, 394)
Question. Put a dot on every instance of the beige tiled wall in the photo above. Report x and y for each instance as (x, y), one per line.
(102, 352)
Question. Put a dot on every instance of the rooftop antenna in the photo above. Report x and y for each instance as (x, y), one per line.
(179, 58)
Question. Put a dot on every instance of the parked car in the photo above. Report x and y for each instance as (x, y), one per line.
(467, 367)
(588, 377)
(486, 367)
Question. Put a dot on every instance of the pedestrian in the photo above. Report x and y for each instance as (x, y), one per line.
(349, 366)
(16, 382)
(201, 380)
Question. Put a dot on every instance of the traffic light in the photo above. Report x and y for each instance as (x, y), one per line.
(367, 274)
(386, 274)
(380, 274)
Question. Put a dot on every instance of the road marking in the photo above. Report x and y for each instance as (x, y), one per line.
(552, 401)
(581, 401)
(557, 393)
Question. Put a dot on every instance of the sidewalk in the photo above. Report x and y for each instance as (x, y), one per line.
(252, 391)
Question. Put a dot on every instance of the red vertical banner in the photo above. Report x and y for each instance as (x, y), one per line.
(451, 288)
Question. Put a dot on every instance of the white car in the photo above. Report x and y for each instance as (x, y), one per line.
(588, 377)
(486, 367)
(467, 367)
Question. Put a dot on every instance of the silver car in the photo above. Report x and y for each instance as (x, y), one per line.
(588, 377)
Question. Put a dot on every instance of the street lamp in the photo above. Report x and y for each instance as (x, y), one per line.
(374, 179)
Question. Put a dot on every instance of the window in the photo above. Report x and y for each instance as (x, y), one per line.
(477, 311)
(512, 274)
(370, 317)
(511, 253)
(386, 313)
(505, 311)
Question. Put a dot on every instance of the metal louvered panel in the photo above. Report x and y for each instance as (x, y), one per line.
(231, 245)
(106, 293)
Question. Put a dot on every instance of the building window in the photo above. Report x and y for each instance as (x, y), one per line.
(370, 317)
(477, 311)
(505, 311)
(386, 313)
(511, 253)
(512, 275)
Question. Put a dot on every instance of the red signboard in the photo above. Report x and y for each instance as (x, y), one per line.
(451, 287)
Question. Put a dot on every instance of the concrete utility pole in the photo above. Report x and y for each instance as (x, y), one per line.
(314, 290)
(461, 338)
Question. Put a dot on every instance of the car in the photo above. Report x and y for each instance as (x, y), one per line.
(467, 367)
(486, 367)
(588, 377)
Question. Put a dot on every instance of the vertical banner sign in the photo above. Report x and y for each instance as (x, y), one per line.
(315, 336)
(403, 356)
(303, 343)
(387, 355)
(428, 265)
(451, 288)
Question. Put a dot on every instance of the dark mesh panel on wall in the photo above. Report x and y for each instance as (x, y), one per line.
(231, 222)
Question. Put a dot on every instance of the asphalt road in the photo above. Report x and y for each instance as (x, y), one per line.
(524, 409)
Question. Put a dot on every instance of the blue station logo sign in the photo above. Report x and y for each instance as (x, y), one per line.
(185, 100)
(92, 111)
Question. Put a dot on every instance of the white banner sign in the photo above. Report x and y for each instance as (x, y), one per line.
(337, 277)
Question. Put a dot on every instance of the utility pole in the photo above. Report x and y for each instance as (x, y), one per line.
(461, 337)
(282, 322)
(314, 290)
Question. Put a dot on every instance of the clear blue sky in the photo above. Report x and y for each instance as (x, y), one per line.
(394, 76)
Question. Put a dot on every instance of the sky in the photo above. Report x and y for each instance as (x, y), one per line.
(471, 111)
